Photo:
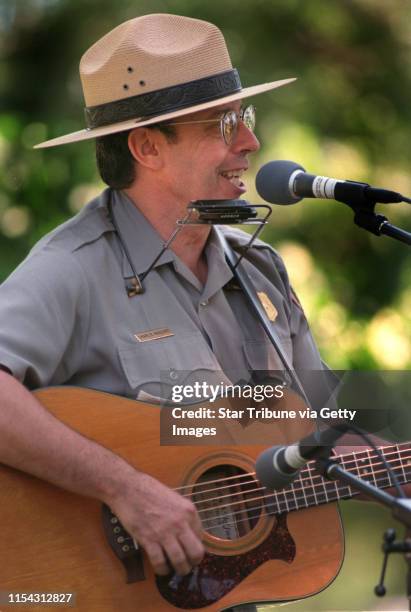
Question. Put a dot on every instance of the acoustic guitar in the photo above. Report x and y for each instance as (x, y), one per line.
(260, 546)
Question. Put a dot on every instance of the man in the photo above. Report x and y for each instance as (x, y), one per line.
(164, 103)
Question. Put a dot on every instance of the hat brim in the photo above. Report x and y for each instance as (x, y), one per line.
(130, 124)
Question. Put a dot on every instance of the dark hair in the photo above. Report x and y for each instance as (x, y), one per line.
(116, 165)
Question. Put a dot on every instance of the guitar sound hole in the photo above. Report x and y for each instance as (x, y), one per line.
(228, 500)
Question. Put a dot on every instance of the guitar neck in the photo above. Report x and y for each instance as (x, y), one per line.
(310, 489)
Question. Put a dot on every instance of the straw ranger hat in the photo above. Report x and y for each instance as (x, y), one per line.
(155, 68)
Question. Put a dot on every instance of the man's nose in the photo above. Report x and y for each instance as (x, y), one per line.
(245, 140)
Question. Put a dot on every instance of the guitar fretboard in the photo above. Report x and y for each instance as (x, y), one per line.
(310, 489)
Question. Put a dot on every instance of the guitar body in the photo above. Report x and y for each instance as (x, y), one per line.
(54, 541)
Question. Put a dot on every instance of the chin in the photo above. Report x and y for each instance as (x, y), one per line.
(232, 193)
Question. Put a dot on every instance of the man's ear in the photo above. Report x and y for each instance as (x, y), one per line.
(145, 147)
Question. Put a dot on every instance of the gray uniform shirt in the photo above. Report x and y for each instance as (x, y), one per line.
(65, 317)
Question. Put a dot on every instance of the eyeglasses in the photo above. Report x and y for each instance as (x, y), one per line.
(229, 122)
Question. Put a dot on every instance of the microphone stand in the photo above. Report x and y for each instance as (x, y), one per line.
(400, 509)
(366, 217)
(378, 224)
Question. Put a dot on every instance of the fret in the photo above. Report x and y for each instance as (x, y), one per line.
(308, 485)
(332, 490)
(364, 466)
(302, 486)
(283, 493)
(406, 461)
(297, 505)
(395, 462)
(372, 473)
(313, 492)
(323, 482)
(356, 466)
(345, 490)
(271, 503)
(290, 497)
(334, 484)
(386, 475)
(320, 495)
(404, 477)
(267, 504)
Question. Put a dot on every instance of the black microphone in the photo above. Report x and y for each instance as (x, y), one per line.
(277, 466)
(285, 182)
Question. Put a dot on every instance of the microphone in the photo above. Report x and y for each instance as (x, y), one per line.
(286, 182)
(277, 466)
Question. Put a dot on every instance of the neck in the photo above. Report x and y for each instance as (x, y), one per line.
(191, 240)
(310, 489)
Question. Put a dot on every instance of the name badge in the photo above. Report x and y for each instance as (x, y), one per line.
(153, 334)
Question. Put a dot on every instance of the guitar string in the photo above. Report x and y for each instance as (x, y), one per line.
(284, 492)
(288, 504)
(279, 510)
(300, 479)
(290, 501)
(311, 490)
(340, 458)
(281, 506)
(369, 465)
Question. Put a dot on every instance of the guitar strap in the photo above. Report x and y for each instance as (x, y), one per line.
(249, 291)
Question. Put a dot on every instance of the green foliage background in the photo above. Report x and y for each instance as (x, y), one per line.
(348, 115)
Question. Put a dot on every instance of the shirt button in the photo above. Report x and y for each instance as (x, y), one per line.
(173, 374)
(204, 303)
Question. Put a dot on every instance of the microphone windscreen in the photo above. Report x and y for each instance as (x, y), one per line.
(270, 474)
(272, 181)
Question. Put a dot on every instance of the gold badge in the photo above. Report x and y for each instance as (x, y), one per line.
(269, 307)
(153, 334)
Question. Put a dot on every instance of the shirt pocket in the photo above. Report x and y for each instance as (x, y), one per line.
(153, 367)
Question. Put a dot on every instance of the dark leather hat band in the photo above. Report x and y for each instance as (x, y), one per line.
(165, 100)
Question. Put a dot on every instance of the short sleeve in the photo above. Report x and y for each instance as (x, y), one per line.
(44, 313)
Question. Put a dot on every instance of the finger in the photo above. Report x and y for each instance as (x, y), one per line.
(157, 559)
(196, 523)
(193, 547)
(177, 556)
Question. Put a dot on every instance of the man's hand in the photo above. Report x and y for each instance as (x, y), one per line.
(163, 522)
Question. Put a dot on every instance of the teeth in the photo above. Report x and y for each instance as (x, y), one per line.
(234, 174)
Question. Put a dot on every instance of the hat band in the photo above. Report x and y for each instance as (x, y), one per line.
(164, 100)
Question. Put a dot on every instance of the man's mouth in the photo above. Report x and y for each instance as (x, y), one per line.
(234, 176)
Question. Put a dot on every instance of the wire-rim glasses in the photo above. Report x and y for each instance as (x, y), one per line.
(229, 122)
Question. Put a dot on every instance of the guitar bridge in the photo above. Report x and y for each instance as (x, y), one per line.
(123, 545)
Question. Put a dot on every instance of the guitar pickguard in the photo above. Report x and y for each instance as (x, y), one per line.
(217, 575)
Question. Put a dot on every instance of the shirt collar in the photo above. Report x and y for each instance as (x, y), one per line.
(219, 272)
(143, 242)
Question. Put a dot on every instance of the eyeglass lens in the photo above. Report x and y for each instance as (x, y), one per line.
(229, 122)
